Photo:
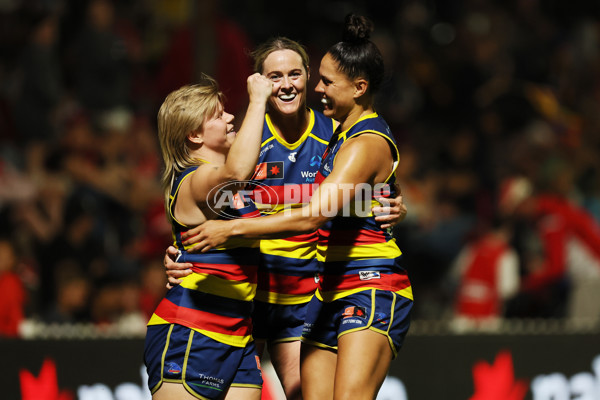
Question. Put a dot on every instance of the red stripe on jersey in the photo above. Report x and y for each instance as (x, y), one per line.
(286, 284)
(203, 320)
(278, 194)
(312, 237)
(393, 282)
(231, 272)
(352, 237)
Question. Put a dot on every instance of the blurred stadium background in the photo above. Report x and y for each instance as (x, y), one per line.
(494, 105)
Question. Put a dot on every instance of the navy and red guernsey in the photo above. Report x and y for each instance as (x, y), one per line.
(216, 299)
(285, 177)
(356, 254)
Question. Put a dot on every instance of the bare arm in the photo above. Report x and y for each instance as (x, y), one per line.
(365, 159)
(243, 154)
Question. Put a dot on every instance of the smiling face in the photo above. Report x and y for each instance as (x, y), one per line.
(335, 89)
(217, 131)
(286, 70)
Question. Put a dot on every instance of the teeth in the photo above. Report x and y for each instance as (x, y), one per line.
(325, 101)
(287, 97)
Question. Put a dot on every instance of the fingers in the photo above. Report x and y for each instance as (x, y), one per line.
(385, 209)
(178, 274)
(172, 282)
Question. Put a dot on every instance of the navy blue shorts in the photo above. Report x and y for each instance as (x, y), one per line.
(206, 368)
(278, 322)
(381, 311)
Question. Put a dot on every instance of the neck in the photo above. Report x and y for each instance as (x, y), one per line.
(290, 127)
(210, 156)
(354, 115)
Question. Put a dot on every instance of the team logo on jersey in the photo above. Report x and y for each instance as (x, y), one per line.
(315, 161)
(173, 368)
(368, 275)
(354, 311)
(381, 318)
(292, 156)
(269, 170)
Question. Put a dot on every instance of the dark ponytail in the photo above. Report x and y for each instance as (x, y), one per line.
(356, 55)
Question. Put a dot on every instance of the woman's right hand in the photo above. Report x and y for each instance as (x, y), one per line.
(175, 271)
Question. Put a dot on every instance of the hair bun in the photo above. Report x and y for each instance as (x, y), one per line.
(357, 29)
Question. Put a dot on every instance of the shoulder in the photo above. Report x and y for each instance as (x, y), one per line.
(323, 123)
(367, 147)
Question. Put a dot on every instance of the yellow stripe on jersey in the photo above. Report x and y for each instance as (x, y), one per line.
(289, 249)
(364, 252)
(241, 290)
(231, 340)
(275, 208)
(318, 139)
(282, 298)
(328, 297)
(156, 320)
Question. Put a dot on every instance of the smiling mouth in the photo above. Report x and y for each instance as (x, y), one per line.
(287, 97)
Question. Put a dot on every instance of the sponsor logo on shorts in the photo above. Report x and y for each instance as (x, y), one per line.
(354, 311)
(173, 368)
(257, 358)
(368, 275)
(211, 381)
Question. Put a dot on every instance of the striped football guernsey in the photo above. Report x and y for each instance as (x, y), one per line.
(285, 177)
(355, 252)
(216, 299)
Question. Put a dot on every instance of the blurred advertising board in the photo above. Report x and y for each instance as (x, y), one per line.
(448, 367)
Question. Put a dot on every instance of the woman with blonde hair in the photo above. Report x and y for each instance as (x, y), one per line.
(295, 137)
(357, 320)
(199, 342)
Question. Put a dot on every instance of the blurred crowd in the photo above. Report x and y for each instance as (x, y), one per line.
(494, 105)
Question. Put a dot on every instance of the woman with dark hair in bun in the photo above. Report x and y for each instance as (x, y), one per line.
(357, 320)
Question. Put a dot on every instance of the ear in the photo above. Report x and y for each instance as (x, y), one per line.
(360, 87)
(196, 137)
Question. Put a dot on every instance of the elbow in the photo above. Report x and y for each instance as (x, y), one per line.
(237, 175)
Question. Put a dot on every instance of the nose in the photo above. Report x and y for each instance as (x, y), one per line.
(228, 117)
(320, 87)
(287, 82)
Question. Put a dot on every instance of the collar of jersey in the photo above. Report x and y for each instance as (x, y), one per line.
(291, 146)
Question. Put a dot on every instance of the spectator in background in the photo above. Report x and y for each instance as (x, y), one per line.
(486, 276)
(559, 246)
(101, 65)
(73, 291)
(41, 87)
(12, 291)
(212, 43)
